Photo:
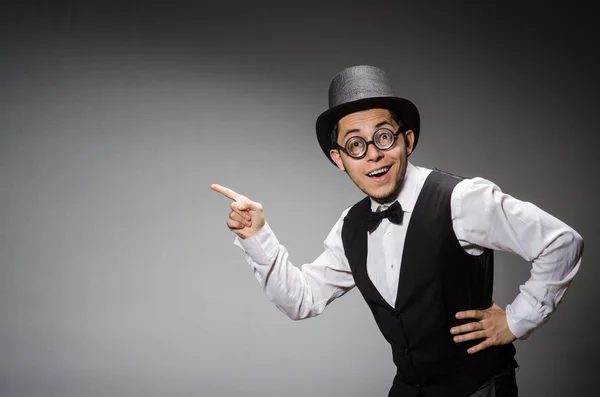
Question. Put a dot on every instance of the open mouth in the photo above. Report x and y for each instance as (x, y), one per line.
(378, 172)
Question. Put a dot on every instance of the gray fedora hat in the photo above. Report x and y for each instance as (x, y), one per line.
(360, 88)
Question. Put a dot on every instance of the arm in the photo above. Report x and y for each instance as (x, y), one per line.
(484, 216)
(298, 292)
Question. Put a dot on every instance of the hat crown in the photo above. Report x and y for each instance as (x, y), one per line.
(359, 82)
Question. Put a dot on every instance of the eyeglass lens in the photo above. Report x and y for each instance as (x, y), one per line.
(382, 139)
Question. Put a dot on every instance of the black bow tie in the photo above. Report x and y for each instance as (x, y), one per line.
(394, 213)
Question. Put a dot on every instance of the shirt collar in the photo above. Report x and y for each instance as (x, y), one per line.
(413, 181)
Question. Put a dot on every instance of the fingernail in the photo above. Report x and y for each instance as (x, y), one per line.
(453, 330)
(456, 338)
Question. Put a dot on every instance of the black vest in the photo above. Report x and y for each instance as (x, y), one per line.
(437, 279)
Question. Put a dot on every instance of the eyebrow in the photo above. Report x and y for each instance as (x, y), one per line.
(378, 125)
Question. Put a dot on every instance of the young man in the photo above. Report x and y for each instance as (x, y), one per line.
(419, 248)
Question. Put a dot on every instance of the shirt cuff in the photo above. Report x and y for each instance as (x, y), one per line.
(523, 317)
(262, 247)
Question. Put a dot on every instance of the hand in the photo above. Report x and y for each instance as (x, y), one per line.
(246, 216)
(492, 326)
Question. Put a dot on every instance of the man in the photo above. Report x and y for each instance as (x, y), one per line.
(419, 248)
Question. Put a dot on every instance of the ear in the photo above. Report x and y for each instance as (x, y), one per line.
(409, 140)
(337, 159)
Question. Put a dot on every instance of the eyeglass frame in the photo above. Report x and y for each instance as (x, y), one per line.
(372, 141)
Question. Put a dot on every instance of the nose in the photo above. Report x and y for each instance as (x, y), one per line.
(373, 154)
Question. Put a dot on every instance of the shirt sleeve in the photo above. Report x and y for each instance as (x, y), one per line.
(484, 216)
(298, 292)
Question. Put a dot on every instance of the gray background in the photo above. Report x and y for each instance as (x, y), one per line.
(118, 276)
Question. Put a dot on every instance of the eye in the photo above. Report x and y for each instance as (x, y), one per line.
(355, 146)
(384, 138)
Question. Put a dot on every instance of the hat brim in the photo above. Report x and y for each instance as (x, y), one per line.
(405, 109)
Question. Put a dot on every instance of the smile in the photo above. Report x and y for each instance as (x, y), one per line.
(379, 172)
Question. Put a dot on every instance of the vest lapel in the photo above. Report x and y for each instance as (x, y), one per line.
(408, 270)
(356, 251)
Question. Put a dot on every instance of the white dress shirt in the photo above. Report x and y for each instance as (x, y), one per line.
(482, 217)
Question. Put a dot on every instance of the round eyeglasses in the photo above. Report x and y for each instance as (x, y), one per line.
(383, 139)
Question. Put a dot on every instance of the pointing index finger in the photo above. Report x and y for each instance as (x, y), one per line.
(226, 192)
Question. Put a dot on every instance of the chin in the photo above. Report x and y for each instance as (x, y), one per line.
(385, 193)
(382, 195)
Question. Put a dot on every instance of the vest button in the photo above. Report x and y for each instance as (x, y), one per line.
(407, 352)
